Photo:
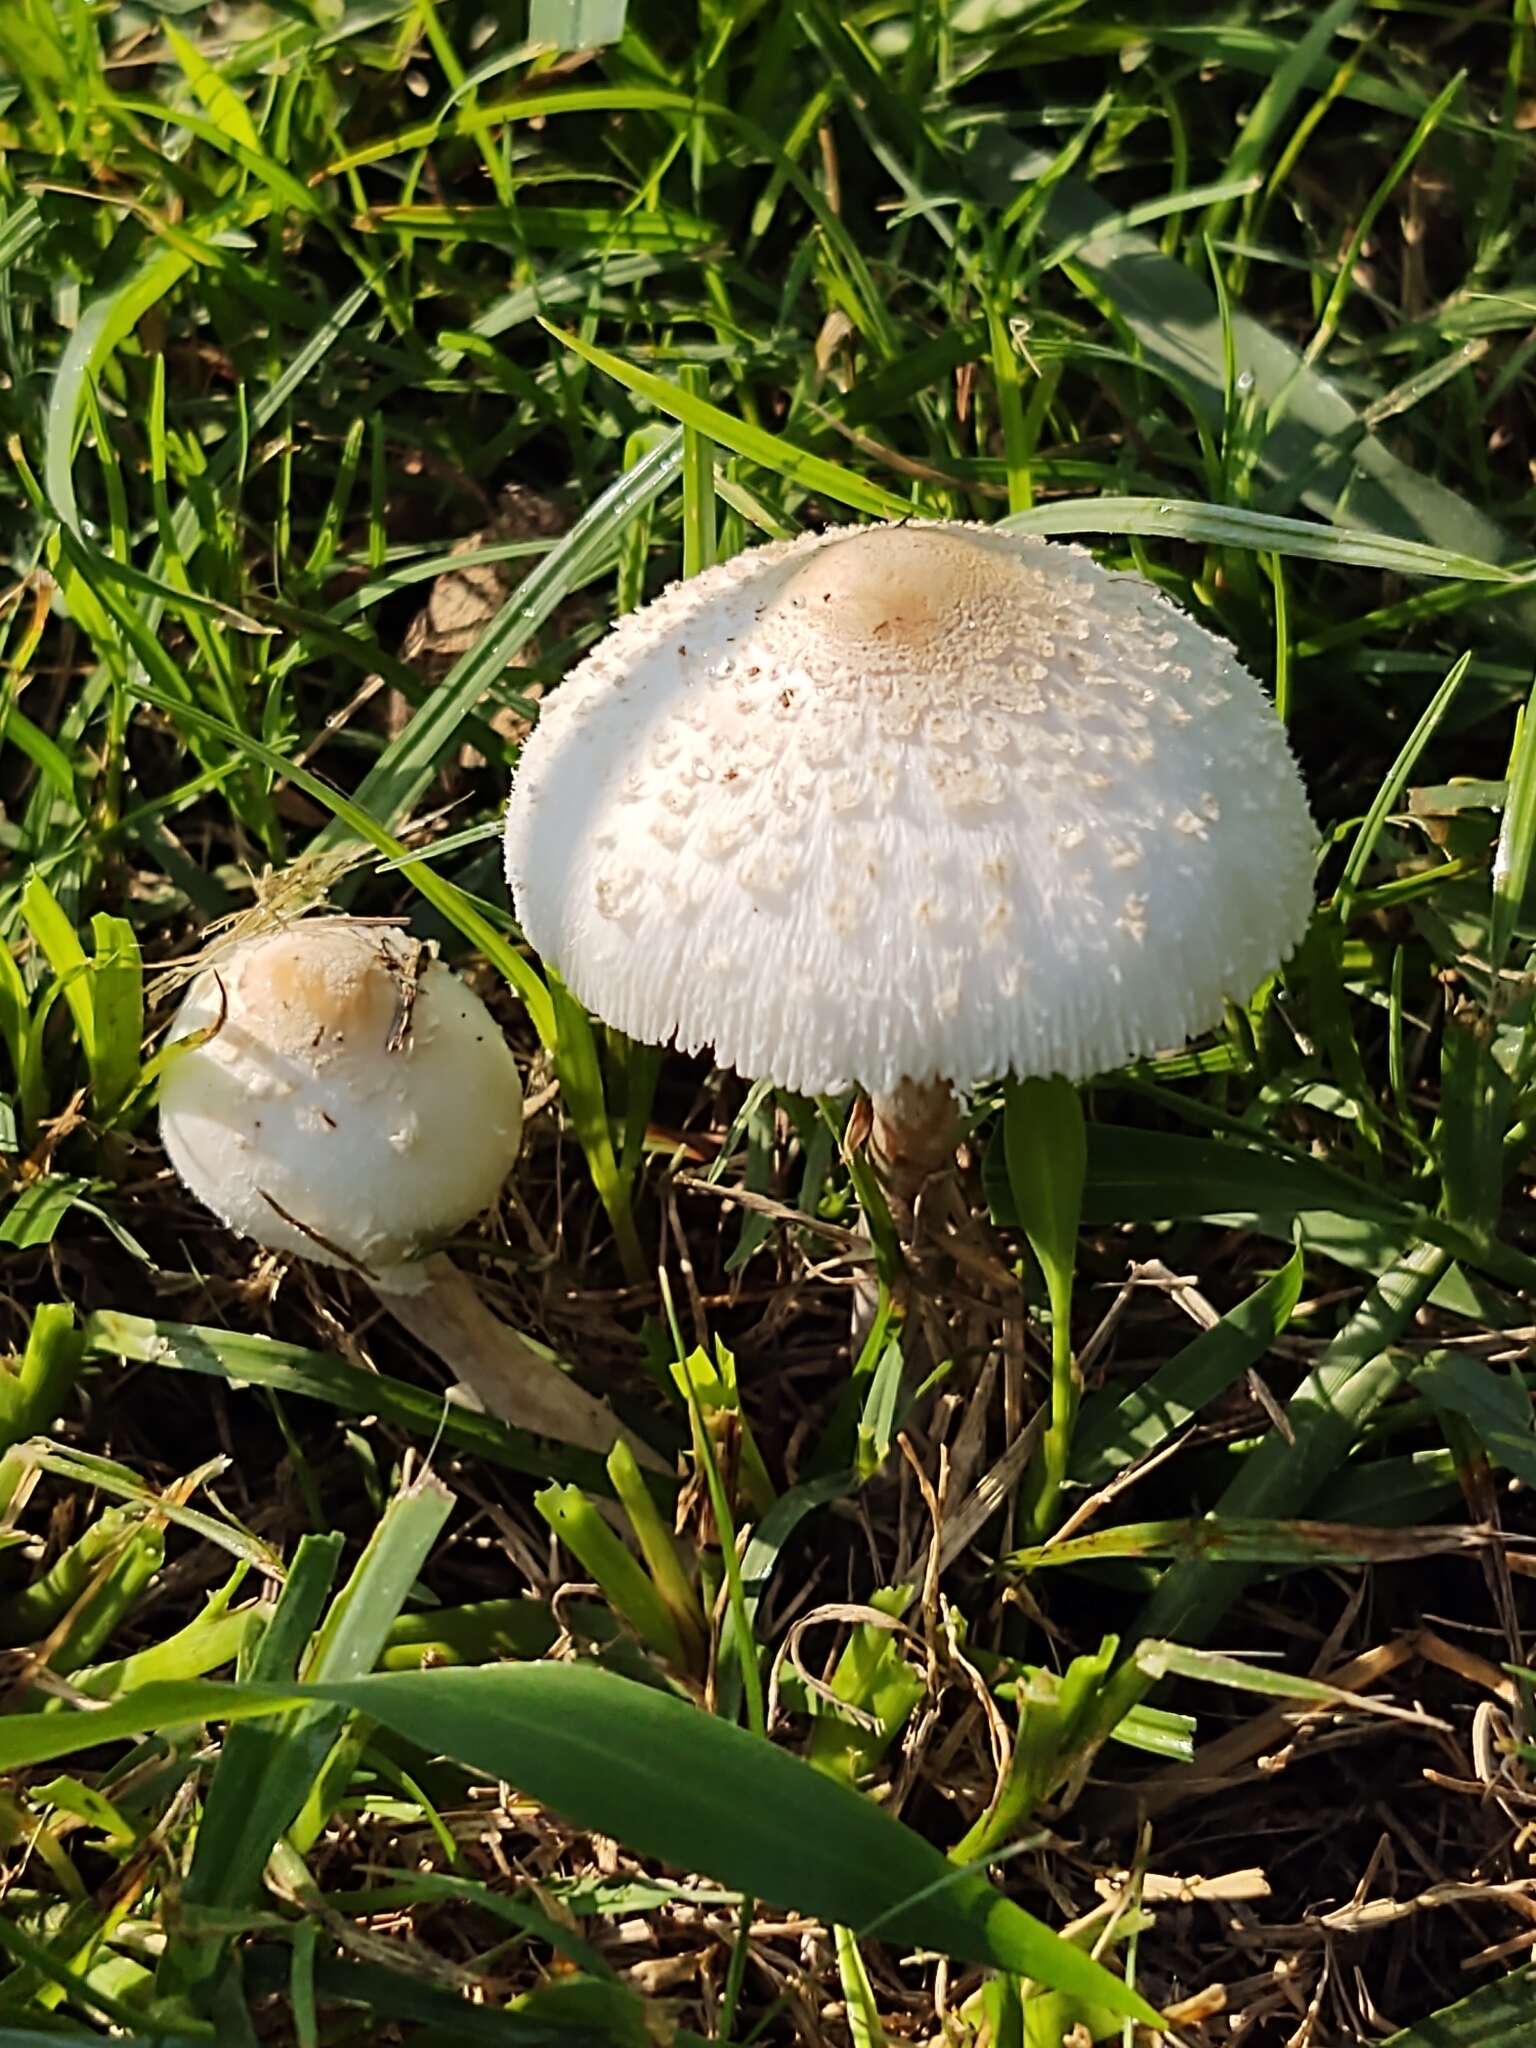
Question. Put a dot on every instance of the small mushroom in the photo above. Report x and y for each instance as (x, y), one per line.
(350, 1099)
(908, 808)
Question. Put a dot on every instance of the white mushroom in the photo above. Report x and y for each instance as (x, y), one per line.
(352, 1100)
(355, 1102)
(911, 807)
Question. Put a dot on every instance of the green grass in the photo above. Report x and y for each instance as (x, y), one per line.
(406, 1727)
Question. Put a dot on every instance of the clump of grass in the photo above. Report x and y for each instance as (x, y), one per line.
(405, 1727)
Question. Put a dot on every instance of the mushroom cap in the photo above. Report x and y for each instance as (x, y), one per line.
(354, 1102)
(921, 802)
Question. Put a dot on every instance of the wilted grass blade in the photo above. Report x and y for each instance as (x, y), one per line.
(1246, 1541)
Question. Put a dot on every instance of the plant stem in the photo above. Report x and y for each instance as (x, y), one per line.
(1046, 1148)
(1066, 1387)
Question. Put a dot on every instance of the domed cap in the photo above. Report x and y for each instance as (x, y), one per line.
(918, 802)
(353, 1102)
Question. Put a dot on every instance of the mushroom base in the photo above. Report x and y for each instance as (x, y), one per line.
(912, 1138)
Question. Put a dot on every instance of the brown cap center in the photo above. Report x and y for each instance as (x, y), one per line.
(895, 588)
(312, 984)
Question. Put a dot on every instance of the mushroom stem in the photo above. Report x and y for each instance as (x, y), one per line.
(510, 1378)
(912, 1138)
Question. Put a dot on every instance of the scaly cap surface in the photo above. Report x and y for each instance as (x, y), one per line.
(928, 801)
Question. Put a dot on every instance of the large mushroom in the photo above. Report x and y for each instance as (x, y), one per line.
(907, 808)
(346, 1097)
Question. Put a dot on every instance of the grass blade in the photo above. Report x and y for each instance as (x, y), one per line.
(1266, 123)
(387, 792)
(117, 1005)
(222, 102)
(1322, 453)
(680, 1785)
(1232, 526)
(245, 1360)
(1395, 782)
(626, 1586)
(812, 473)
(580, 1073)
(576, 24)
(1112, 1435)
(1517, 838)
(259, 1788)
(35, 1388)
(1494, 2016)
(1355, 1374)
(454, 905)
(245, 1809)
